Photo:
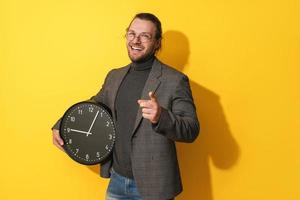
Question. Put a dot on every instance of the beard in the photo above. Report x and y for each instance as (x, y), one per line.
(142, 58)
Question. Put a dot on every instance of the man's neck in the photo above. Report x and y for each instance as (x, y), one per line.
(143, 65)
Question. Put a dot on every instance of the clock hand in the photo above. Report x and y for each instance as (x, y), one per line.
(93, 122)
(87, 133)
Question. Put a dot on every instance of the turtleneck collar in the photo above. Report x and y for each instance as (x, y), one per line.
(144, 65)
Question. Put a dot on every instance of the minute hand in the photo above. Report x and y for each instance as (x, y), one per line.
(93, 122)
(74, 130)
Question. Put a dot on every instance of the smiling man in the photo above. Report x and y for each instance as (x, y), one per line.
(152, 107)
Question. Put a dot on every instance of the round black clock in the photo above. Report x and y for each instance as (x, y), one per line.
(88, 132)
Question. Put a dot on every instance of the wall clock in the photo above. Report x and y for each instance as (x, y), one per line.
(88, 132)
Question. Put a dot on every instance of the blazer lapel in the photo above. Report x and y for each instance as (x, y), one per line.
(114, 90)
(151, 84)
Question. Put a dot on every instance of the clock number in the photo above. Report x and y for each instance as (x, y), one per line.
(70, 141)
(98, 154)
(87, 156)
(110, 136)
(91, 109)
(106, 147)
(107, 123)
(77, 150)
(80, 112)
(68, 130)
(72, 119)
(101, 114)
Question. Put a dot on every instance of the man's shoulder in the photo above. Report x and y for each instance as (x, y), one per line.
(168, 70)
(117, 70)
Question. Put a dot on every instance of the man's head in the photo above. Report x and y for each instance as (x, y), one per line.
(143, 36)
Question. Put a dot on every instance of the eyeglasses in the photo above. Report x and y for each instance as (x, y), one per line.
(143, 37)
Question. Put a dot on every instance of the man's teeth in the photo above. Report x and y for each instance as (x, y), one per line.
(136, 48)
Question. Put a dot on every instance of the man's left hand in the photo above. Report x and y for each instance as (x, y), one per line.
(150, 108)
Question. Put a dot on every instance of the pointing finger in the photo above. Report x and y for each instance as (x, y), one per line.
(144, 103)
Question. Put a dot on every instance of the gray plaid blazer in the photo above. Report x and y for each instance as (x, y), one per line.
(154, 159)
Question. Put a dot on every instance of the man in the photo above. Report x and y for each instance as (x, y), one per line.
(152, 107)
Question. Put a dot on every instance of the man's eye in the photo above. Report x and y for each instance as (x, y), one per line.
(131, 34)
(145, 36)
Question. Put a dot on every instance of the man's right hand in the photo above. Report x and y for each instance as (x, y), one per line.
(57, 141)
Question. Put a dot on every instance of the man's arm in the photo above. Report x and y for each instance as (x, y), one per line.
(181, 122)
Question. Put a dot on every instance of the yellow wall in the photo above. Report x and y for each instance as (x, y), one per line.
(243, 61)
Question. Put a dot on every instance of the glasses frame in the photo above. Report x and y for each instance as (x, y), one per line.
(141, 37)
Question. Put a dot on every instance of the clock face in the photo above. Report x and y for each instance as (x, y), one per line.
(88, 132)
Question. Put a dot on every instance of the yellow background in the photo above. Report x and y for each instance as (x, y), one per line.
(242, 58)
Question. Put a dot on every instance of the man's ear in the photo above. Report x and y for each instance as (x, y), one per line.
(158, 44)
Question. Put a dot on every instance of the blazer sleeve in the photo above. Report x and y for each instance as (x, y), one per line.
(180, 123)
(99, 97)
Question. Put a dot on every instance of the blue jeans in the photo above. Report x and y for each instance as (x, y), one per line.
(121, 188)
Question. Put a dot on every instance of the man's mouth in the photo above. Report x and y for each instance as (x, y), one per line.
(135, 48)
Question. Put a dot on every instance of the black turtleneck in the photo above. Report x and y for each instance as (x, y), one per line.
(127, 107)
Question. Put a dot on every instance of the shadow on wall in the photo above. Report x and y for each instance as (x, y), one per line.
(215, 140)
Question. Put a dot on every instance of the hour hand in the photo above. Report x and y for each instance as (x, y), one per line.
(85, 132)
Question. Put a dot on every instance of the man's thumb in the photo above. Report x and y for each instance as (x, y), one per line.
(152, 96)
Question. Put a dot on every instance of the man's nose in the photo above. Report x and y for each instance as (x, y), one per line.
(136, 39)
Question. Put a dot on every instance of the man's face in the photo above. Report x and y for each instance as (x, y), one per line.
(141, 41)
